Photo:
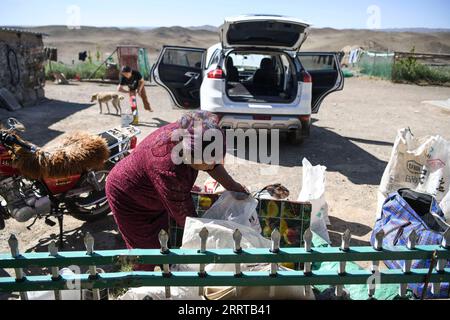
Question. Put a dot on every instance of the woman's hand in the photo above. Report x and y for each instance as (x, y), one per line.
(222, 176)
(240, 192)
(239, 188)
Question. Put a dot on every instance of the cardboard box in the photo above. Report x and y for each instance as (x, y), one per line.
(292, 219)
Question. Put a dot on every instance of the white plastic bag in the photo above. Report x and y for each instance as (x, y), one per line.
(445, 206)
(420, 164)
(220, 237)
(67, 295)
(211, 186)
(159, 293)
(259, 293)
(313, 191)
(408, 158)
(435, 177)
(242, 212)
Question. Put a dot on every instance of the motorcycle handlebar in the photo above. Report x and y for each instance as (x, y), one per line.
(10, 140)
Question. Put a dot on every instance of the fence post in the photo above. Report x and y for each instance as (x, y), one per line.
(89, 243)
(345, 247)
(441, 263)
(53, 252)
(275, 249)
(204, 234)
(15, 253)
(307, 237)
(411, 245)
(164, 241)
(394, 66)
(237, 238)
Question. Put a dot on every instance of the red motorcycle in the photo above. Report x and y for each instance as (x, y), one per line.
(70, 179)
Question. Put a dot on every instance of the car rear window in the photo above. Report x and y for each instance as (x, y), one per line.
(264, 33)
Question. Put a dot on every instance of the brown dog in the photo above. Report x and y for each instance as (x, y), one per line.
(107, 97)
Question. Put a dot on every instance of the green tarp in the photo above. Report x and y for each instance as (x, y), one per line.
(357, 292)
(144, 64)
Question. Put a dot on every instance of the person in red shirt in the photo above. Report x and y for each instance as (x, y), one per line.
(147, 188)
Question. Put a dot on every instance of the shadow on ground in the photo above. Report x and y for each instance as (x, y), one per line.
(156, 123)
(336, 152)
(105, 235)
(40, 118)
(338, 227)
(103, 231)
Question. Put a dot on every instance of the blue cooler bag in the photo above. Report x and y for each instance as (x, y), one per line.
(403, 212)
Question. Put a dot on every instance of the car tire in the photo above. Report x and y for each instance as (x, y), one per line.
(295, 137)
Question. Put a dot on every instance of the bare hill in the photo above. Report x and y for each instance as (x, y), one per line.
(70, 42)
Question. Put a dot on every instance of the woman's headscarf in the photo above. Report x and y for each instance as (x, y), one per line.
(202, 131)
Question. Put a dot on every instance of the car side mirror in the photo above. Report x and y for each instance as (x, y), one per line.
(16, 125)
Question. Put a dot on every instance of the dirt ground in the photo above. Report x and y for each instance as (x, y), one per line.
(352, 136)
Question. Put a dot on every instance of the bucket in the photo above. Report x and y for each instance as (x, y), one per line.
(127, 119)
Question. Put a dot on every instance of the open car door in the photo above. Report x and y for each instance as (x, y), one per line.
(179, 70)
(326, 73)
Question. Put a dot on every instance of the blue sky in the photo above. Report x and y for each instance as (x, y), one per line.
(140, 13)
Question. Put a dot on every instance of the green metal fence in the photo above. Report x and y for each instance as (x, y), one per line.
(436, 275)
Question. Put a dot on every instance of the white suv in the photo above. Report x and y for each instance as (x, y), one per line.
(255, 77)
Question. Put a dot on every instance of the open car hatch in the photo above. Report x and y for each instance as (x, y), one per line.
(264, 31)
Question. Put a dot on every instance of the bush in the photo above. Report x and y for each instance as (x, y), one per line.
(411, 71)
(83, 70)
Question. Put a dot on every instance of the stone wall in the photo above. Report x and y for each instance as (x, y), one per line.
(22, 65)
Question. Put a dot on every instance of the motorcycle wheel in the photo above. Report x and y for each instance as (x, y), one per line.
(92, 206)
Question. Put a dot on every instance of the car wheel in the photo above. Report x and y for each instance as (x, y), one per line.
(295, 137)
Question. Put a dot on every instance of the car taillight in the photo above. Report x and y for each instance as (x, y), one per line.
(133, 143)
(216, 74)
(306, 77)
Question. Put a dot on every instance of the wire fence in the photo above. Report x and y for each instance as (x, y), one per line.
(406, 67)
(376, 64)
